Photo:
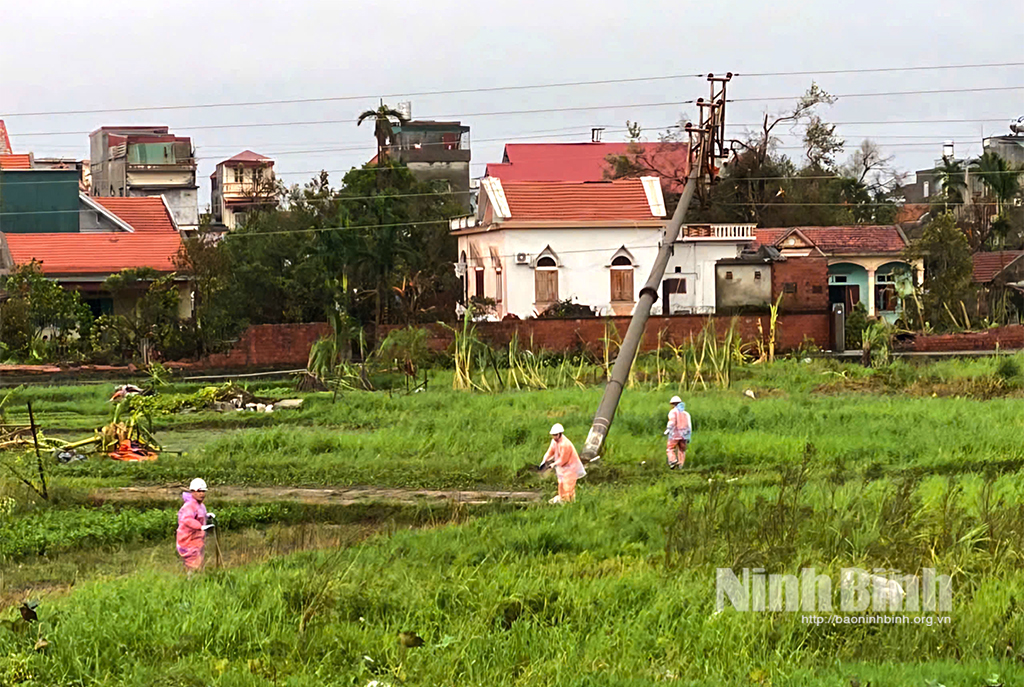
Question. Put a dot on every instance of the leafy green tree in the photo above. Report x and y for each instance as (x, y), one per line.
(947, 270)
(50, 310)
(999, 177)
(399, 234)
(952, 177)
(153, 323)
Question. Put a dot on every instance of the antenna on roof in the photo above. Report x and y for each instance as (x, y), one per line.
(595, 134)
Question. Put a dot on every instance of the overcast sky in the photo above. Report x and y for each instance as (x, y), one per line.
(61, 55)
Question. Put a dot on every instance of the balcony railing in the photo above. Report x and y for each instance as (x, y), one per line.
(719, 232)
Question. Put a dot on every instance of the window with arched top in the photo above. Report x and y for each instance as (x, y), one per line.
(622, 279)
(545, 280)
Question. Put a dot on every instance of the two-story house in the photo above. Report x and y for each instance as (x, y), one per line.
(240, 185)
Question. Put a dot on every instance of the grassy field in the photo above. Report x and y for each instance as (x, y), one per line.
(828, 466)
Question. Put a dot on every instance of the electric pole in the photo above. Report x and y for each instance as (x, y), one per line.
(707, 154)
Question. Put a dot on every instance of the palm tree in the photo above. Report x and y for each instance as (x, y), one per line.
(953, 178)
(999, 177)
(382, 126)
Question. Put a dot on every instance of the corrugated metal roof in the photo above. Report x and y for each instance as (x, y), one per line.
(582, 161)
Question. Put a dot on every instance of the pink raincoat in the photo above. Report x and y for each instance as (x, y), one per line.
(191, 536)
(568, 466)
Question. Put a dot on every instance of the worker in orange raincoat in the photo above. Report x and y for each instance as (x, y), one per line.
(193, 522)
(568, 466)
(678, 432)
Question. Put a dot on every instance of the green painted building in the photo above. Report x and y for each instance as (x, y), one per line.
(39, 201)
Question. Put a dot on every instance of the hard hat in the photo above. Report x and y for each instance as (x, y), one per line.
(197, 485)
(675, 400)
(557, 429)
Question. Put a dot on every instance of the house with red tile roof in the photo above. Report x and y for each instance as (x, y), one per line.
(589, 162)
(532, 244)
(131, 161)
(863, 261)
(1000, 276)
(239, 185)
(114, 234)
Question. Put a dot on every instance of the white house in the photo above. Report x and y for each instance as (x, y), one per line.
(534, 243)
(240, 185)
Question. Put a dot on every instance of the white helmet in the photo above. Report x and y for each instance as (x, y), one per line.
(197, 485)
(676, 400)
(557, 429)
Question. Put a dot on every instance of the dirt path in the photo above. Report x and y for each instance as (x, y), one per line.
(336, 497)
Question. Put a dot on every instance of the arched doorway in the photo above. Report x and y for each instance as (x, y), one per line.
(847, 284)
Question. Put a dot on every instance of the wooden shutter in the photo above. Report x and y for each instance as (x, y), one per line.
(480, 283)
(622, 285)
(546, 285)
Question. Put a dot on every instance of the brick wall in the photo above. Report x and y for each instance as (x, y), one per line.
(1007, 338)
(269, 346)
(810, 277)
(567, 335)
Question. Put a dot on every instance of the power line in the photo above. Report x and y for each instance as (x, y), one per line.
(547, 110)
(890, 93)
(880, 70)
(317, 122)
(493, 89)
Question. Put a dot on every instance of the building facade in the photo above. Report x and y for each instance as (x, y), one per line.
(533, 244)
(864, 262)
(241, 185)
(141, 161)
(435, 152)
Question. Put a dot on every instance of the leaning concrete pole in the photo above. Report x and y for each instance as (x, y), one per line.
(635, 333)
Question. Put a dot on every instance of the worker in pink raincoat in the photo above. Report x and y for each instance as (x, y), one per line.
(568, 466)
(678, 432)
(193, 522)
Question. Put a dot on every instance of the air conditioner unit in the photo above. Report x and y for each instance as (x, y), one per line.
(522, 258)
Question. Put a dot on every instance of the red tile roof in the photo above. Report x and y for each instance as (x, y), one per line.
(154, 243)
(141, 214)
(582, 161)
(20, 161)
(95, 254)
(849, 240)
(988, 265)
(247, 156)
(602, 201)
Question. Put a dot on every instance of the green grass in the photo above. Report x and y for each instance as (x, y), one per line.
(574, 596)
(830, 466)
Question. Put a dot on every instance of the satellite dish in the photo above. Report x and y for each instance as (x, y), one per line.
(1017, 126)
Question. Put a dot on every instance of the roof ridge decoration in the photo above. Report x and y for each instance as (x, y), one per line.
(496, 193)
(655, 198)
